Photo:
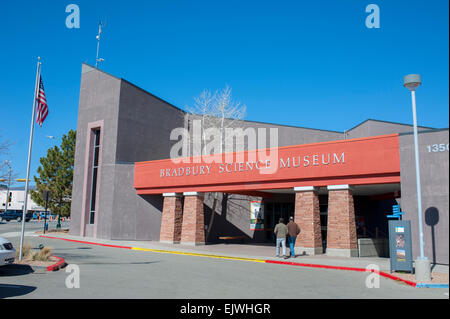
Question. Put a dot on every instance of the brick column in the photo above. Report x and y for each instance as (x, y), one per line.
(193, 229)
(307, 216)
(171, 219)
(341, 231)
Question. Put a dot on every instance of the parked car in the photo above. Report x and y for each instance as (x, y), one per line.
(15, 214)
(7, 252)
(48, 215)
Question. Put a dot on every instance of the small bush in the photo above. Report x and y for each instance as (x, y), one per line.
(27, 251)
(43, 254)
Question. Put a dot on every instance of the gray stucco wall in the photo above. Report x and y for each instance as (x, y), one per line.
(134, 217)
(144, 126)
(99, 100)
(136, 126)
(374, 128)
(145, 123)
(434, 176)
(232, 215)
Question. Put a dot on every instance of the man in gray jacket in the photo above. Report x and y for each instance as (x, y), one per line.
(281, 232)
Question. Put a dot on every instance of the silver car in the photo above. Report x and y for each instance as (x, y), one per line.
(7, 252)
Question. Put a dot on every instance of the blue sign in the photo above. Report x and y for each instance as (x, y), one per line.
(396, 213)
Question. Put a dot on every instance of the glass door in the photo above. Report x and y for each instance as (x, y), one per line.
(277, 211)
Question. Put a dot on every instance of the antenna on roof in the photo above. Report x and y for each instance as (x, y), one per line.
(97, 59)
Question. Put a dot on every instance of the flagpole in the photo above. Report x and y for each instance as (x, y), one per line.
(30, 146)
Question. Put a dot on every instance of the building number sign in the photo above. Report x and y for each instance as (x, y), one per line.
(437, 148)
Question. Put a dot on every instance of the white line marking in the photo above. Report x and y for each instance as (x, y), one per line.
(17, 234)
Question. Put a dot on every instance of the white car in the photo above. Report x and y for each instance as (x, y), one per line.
(7, 252)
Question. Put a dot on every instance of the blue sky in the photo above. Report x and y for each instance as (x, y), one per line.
(305, 63)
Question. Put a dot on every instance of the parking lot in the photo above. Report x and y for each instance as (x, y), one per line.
(11, 228)
(106, 272)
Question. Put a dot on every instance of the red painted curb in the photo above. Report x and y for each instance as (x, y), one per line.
(342, 268)
(61, 262)
(85, 242)
(408, 282)
(413, 284)
(313, 265)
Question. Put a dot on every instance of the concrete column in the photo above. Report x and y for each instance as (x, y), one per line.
(341, 231)
(171, 219)
(193, 229)
(307, 216)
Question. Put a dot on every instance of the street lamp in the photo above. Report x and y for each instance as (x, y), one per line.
(422, 264)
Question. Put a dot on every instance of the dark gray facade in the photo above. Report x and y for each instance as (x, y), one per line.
(136, 125)
(434, 177)
(374, 127)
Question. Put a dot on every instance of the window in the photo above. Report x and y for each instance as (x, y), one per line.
(95, 159)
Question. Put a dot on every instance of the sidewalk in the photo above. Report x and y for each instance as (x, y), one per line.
(260, 252)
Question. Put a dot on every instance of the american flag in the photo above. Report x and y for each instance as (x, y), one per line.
(42, 109)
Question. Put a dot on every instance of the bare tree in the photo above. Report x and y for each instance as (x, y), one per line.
(203, 109)
(7, 175)
(229, 113)
(217, 112)
(4, 154)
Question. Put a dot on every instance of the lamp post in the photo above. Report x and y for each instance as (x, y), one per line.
(46, 195)
(422, 264)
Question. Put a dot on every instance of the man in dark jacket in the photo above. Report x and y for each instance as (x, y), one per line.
(293, 230)
(281, 231)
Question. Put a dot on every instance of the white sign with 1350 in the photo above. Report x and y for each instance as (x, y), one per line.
(437, 148)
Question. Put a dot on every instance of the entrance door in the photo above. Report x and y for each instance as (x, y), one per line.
(279, 210)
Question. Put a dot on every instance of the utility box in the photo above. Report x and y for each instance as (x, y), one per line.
(400, 247)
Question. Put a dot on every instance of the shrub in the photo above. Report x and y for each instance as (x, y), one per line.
(43, 254)
(26, 251)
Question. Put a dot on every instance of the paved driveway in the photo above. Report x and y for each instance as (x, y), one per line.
(121, 273)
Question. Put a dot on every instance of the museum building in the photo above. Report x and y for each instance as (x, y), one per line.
(339, 186)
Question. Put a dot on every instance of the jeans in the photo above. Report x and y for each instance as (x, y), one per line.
(283, 243)
(291, 245)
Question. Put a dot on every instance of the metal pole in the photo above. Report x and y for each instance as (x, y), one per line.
(46, 207)
(419, 192)
(30, 146)
(96, 58)
(98, 43)
(9, 184)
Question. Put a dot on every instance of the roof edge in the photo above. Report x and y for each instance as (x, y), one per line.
(424, 131)
(388, 122)
(88, 68)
